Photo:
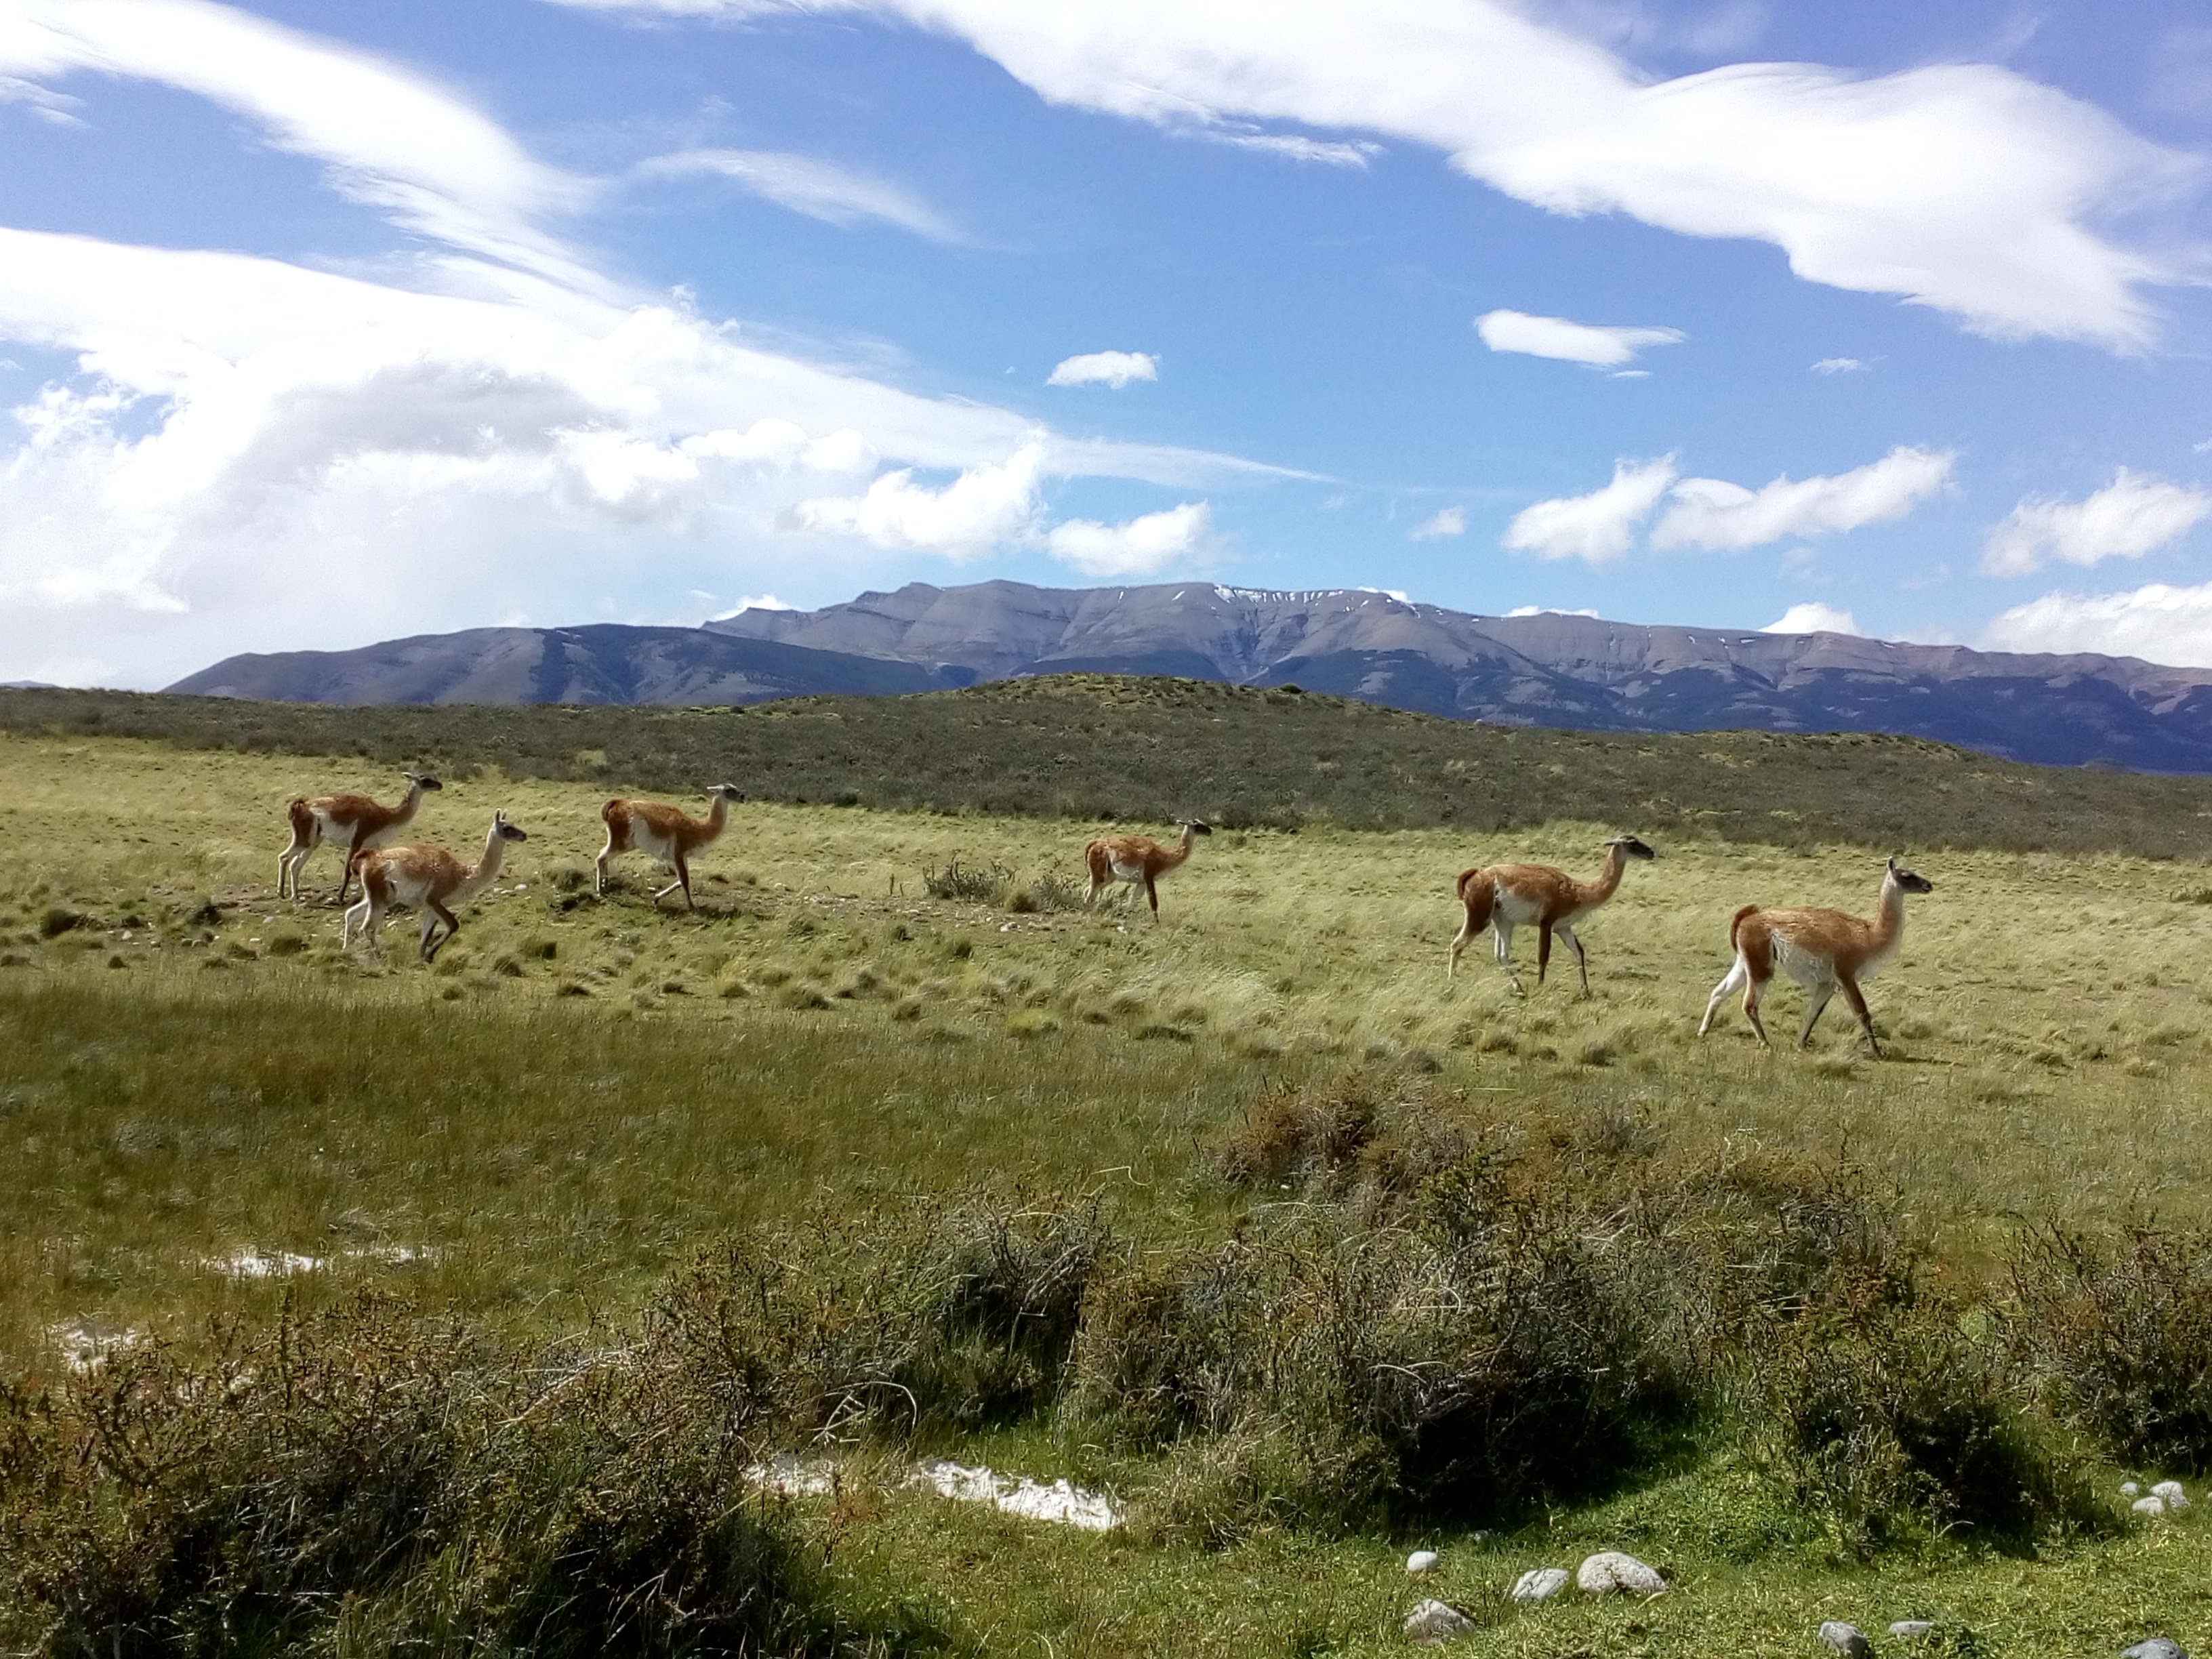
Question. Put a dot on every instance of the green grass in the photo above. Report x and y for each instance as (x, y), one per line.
(1083, 746)
(583, 1091)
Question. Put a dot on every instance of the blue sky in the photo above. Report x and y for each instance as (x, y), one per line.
(322, 324)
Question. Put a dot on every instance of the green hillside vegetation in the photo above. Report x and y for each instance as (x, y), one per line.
(350, 1306)
(1100, 747)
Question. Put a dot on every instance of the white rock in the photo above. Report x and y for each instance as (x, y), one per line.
(1539, 1584)
(1610, 1572)
(1435, 1621)
(2158, 1647)
(1421, 1561)
(2152, 1505)
(1846, 1638)
(2176, 1499)
(1911, 1629)
(2130, 1489)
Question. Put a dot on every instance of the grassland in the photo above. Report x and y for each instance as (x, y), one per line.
(531, 1137)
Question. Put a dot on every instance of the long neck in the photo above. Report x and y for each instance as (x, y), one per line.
(717, 816)
(1180, 850)
(408, 802)
(1889, 921)
(1608, 879)
(486, 870)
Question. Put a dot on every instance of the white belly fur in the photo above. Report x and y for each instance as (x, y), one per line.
(1126, 872)
(1517, 910)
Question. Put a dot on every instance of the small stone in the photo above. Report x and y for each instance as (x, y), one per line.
(2152, 1505)
(1610, 1572)
(2132, 1488)
(1911, 1629)
(1539, 1584)
(1421, 1561)
(1435, 1621)
(2158, 1647)
(1846, 1638)
(2176, 1499)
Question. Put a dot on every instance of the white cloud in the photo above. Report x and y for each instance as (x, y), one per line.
(1324, 152)
(805, 184)
(2158, 623)
(1113, 368)
(1141, 547)
(1715, 514)
(2130, 517)
(252, 454)
(754, 602)
(1598, 345)
(1963, 186)
(985, 509)
(1839, 366)
(391, 138)
(1600, 526)
(1450, 521)
(1812, 617)
(1546, 611)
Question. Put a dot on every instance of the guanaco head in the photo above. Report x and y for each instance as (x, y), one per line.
(1908, 880)
(505, 830)
(421, 781)
(1631, 847)
(728, 792)
(1196, 826)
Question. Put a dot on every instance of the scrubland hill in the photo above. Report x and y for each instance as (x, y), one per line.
(347, 1304)
(1548, 669)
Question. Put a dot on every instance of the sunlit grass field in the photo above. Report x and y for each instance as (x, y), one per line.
(201, 1096)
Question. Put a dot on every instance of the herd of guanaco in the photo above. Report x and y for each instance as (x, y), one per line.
(1822, 950)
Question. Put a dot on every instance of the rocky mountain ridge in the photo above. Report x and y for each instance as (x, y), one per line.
(1547, 669)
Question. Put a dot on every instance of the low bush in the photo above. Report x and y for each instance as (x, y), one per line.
(2118, 1332)
(1893, 1420)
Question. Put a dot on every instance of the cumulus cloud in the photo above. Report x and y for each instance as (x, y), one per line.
(1720, 516)
(1450, 521)
(1600, 526)
(1839, 366)
(981, 510)
(1967, 187)
(253, 454)
(1141, 547)
(2130, 517)
(805, 184)
(1598, 345)
(1812, 617)
(2159, 622)
(1113, 368)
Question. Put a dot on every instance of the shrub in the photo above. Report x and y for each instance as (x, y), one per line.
(1892, 1421)
(971, 885)
(2119, 1335)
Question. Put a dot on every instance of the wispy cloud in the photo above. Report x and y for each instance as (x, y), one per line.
(1723, 517)
(1597, 344)
(1840, 366)
(1450, 521)
(1112, 368)
(1966, 187)
(2130, 517)
(806, 183)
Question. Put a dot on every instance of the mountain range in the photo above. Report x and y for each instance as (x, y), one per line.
(1545, 669)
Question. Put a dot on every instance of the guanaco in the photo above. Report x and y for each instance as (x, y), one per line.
(429, 877)
(1139, 860)
(667, 833)
(1820, 950)
(356, 821)
(1504, 897)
